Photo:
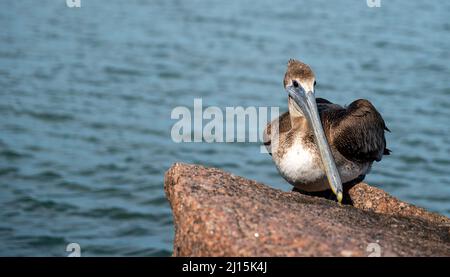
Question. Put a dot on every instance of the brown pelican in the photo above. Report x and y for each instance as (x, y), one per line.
(317, 140)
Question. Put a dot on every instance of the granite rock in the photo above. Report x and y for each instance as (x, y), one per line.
(219, 214)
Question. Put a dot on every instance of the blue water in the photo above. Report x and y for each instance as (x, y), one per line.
(86, 96)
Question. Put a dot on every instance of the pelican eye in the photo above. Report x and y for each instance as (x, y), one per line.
(295, 83)
(314, 83)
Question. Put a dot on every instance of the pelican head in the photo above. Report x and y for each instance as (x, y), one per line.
(299, 82)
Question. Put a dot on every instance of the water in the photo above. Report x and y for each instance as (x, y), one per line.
(86, 96)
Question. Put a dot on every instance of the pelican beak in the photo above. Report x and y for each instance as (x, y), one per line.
(307, 103)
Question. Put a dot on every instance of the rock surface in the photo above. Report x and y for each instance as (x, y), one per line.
(220, 214)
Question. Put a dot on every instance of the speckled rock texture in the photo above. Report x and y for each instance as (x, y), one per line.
(220, 214)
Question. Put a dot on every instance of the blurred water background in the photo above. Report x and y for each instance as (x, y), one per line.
(86, 96)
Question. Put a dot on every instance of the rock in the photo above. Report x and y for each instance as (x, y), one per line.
(220, 214)
(368, 198)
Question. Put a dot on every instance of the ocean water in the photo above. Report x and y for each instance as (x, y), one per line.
(86, 96)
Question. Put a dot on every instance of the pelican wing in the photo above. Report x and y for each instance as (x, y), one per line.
(357, 131)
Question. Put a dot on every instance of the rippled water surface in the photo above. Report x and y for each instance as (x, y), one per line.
(86, 97)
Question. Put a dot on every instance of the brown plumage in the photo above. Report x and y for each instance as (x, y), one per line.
(296, 68)
(355, 134)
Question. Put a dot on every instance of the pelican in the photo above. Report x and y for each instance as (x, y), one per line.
(318, 145)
